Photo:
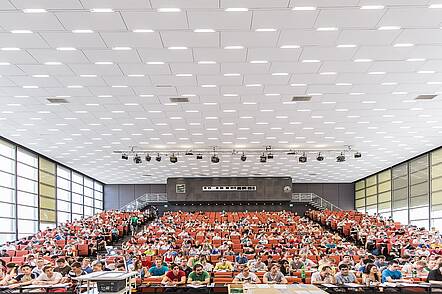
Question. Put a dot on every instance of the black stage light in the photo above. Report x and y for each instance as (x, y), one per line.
(320, 157)
(303, 158)
(158, 158)
(124, 156)
(340, 158)
(173, 159)
(243, 157)
(214, 159)
(263, 158)
(188, 153)
(270, 156)
(199, 156)
(358, 155)
(137, 159)
(148, 158)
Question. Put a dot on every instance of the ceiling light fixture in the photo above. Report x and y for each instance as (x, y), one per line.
(148, 158)
(243, 157)
(263, 158)
(204, 31)
(214, 159)
(158, 158)
(173, 158)
(124, 156)
(340, 157)
(172, 9)
(236, 9)
(357, 155)
(137, 159)
(102, 10)
(199, 156)
(320, 157)
(34, 10)
(82, 31)
(303, 158)
(304, 8)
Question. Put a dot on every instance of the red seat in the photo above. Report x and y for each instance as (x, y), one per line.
(18, 260)
(11, 253)
(6, 259)
(83, 250)
(20, 253)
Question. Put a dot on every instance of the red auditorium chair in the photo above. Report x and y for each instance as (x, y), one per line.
(83, 250)
(11, 253)
(18, 260)
(20, 253)
(6, 259)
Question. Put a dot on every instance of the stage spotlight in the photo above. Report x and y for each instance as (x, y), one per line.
(124, 156)
(214, 159)
(270, 156)
(358, 155)
(137, 159)
(188, 153)
(320, 157)
(263, 158)
(303, 158)
(243, 157)
(173, 159)
(148, 158)
(199, 156)
(340, 158)
(158, 158)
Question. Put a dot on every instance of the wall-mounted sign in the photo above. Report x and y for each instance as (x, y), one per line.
(228, 188)
(181, 188)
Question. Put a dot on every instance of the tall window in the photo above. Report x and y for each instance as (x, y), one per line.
(410, 192)
(8, 223)
(37, 193)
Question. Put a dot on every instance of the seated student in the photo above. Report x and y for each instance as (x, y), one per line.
(372, 275)
(62, 267)
(241, 259)
(198, 276)
(344, 275)
(8, 273)
(257, 265)
(25, 278)
(174, 277)
(245, 276)
(435, 275)
(325, 276)
(223, 265)
(158, 269)
(392, 273)
(48, 277)
(274, 276)
(86, 265)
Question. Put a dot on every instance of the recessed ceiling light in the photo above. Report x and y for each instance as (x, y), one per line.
(389, 84)
(208, 86)
(10, 49)
(377, 73)
(346, 46)
(233, 47)
(121, 48)
(389, 28)
(327, 29)
(232, 74)
(75, 86)
(280, 74)
(82, 31)
(136, 75)
(66, 48)
(21, 32)
(372, 7)
(363, 60)
(119, 86)
(143, 31)
(310, 61)
(403, 45)
(206, 62)
(298, 85)
(184, 75)
(304, 8)
(53, 63)
(230, 95)
(265, 30)
(5, 63)
(415, 59)
(102, 10)
(30, 87)
(253, 85)
(88, 76)
(272, 94)
(356, 93)
(328, 73)
(155, 62)
(435, 6)
(204, 31)
(259, 61)
(146, 95)
(343, 84)
(170, 9)
(236, 9)
(426, 72)
(40, 76)
(34, 10)
(290, 47)
(177, 48)
(399, 93)
(104, 62)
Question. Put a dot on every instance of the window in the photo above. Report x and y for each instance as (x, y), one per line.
(7, 149)
(63, 195)
(28, 199)
(63, 206)
(7, 165)
(27, 185)
(7, 195)
(7, 225)
(27, 157)
(27, 171)
(63, 217)
(63, 172)
(7, 180)
(26, 212)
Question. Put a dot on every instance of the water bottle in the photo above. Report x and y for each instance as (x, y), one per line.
(303, 274)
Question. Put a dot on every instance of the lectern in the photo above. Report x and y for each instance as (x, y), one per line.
(108, 282)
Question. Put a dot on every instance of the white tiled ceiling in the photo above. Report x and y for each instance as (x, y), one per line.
(239, 69)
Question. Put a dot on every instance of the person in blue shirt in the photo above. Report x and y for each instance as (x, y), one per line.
(158, 270)
(392, 273)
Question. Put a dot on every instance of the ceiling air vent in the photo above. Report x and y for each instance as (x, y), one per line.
(301, 98)
(57, 100)
(426, 97)
(179, 99)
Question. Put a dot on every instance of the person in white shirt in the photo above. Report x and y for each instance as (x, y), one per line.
(48, 277)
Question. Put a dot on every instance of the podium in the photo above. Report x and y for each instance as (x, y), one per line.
(108, 282)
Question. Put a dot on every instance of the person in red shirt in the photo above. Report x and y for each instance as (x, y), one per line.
(174, 277)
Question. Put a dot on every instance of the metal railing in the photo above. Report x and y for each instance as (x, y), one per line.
(314, 200)
(144, 200)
